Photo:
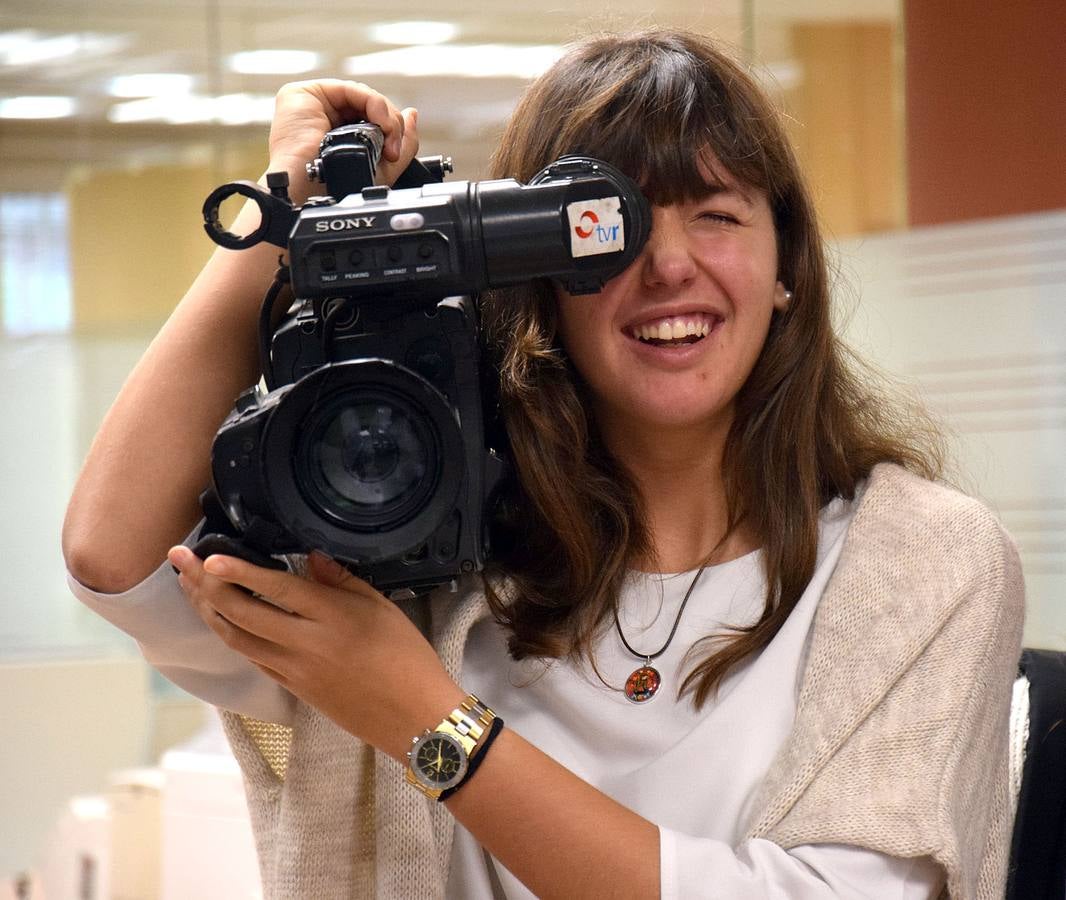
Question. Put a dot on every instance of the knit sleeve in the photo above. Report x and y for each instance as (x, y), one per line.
(901, 734)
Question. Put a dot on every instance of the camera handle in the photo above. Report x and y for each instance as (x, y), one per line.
(218, 536)
(277, 214)
(276, 211)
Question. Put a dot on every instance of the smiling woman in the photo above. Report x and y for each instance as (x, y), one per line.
(699, 481)
(765, 403)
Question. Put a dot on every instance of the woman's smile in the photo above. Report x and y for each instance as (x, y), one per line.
(670, 341)
(674, 331)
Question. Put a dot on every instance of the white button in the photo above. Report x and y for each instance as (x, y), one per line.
(407, 221)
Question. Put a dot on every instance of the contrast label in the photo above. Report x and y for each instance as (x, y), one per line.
(596, 226)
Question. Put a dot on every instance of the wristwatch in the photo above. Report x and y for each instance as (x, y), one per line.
(440, 759)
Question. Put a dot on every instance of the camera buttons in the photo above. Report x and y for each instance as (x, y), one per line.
(407, 221)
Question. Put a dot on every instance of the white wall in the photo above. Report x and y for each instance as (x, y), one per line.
(975, 315)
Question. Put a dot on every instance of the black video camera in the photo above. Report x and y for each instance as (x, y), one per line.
(369, 440)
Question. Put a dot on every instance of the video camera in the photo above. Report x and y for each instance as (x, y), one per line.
(368, 438)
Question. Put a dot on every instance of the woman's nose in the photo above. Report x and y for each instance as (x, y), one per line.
(667, 256)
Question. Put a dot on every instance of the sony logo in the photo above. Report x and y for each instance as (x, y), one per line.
(344, 224)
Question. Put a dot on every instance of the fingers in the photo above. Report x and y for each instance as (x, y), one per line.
(328, 571)
(349, 101)
(305, 110)
(377, 108)
(253, 627)
(227, 599)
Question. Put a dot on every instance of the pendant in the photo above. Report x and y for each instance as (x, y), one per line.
(643, 684)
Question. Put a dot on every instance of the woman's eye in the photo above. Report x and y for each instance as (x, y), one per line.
(718, 216)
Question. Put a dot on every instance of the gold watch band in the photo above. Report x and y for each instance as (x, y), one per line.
(469, 723)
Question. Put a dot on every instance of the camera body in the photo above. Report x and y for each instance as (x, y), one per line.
(387, 465)
(368, 440)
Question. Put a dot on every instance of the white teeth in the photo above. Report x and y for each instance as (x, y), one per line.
(673, 329)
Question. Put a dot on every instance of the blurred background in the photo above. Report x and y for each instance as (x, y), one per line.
(931, 129)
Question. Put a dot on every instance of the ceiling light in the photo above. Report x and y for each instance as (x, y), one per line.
(150, 84)
(463, 60)
(273, 62)
(27, 47)
(192, 109)
(37, 107)
(176, 110)
(415, 32)
(243, 109)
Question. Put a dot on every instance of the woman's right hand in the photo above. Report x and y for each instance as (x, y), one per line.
(305, 110)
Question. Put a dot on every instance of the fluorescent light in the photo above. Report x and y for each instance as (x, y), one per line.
(274, 62)
(27, 47)
(243, 109)
(463, 60)
(190, 109)
(41, 49)
(13, 42)
(414, 32)
(176, 110)
(37, 107)
(150, 84)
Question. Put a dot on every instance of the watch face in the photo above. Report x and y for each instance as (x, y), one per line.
(438, 760)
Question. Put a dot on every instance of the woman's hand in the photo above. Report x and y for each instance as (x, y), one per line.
(305, 110)
(354, 655)
(334, 642)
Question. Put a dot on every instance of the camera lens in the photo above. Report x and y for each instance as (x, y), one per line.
(367, 459)
(367, 456)
(368, 462)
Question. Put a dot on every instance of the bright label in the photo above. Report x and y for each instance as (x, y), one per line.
(596, 226)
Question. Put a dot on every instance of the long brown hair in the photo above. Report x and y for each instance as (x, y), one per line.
(807, 428)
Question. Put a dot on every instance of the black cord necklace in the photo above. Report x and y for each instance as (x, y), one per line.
(644, 682)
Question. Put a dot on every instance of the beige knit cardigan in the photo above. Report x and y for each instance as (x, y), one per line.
(899, 742)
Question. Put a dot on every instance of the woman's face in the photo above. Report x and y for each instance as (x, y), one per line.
(670, 341)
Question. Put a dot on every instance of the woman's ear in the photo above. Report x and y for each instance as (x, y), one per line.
(782, 297)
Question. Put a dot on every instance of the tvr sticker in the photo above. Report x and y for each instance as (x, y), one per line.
(596, 226)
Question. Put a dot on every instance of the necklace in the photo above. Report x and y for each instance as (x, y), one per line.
(645, 681)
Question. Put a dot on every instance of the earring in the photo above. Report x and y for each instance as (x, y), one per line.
(788, 296)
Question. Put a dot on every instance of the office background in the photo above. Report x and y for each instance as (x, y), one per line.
(932, 131)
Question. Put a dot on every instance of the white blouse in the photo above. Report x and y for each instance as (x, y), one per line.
(695, 774)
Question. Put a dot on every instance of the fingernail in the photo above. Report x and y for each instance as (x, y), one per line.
(328, 561)
(216, 565)
(178, 557)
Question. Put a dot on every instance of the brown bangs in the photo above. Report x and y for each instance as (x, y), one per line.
(655, 115)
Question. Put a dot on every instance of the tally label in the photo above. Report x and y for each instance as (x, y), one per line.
(596, 226)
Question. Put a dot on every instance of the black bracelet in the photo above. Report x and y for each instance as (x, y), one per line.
(475, 761)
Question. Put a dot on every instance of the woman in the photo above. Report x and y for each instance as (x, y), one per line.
(812, 704)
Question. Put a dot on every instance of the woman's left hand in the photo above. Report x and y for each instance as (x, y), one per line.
(334, 642)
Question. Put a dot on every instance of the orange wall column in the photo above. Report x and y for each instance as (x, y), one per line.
(985, 108)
